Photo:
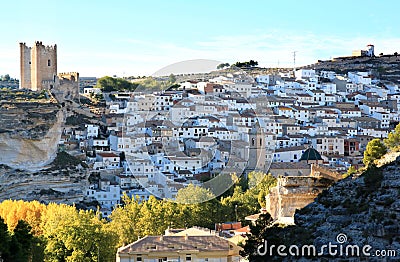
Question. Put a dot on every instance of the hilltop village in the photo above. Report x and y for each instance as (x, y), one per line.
(305, 127)
(154, 142)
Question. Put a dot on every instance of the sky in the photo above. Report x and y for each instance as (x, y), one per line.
(131, 38)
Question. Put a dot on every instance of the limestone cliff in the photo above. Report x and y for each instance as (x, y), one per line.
(64, 181)
(29, 133)
(363, 209)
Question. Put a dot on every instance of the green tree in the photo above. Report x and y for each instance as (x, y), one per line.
(21, 242)
(257, 238)
(172, 79)
(351, 171)
(223, 65)
(246, 202)
(74, 235)
(375, 149)
(109, 84)
(253, 63)
(393, 140)
(4, 240)
(124, 221)
(193, 194)
(250, 63)
(6, 77)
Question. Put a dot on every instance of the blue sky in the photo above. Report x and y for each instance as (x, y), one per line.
(125, 38)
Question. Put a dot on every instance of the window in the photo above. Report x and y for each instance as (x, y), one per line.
(188, 258)
(48, 62)
(138, 258)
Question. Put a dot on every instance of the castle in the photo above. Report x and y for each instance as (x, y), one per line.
(38, 65)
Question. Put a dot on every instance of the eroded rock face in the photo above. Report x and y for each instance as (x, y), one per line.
(366, 209)
(60, 186)
(29, 134)
(359, 211)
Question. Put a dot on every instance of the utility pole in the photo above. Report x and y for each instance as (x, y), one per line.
(294, 62)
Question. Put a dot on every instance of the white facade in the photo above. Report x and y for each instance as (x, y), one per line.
(108, 195)
(190, 131)
(289, 154)
(262, 79)
(383, 117)
(91, 90)
(92, 131)
(120, 143)
(106, 160)
(359, 78)
(304, 73)
(328, 145)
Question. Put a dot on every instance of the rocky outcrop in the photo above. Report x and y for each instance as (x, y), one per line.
(63, 181)
(365, 209)
(29, 133)
(295, 192)
(360, 211)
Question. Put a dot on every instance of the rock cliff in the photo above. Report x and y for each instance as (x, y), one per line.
(366, 209)
(359, 210)
(62, 181)
(29, 133)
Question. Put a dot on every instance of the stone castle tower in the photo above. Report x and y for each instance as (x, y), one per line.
(39, 72)
(38, 66)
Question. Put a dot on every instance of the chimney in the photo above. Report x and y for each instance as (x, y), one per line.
(186, 237)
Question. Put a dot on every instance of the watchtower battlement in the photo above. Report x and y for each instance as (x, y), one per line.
(70, 76)
(38, 66)
(39, 71)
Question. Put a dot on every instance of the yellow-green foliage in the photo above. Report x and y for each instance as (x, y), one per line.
(393, 140)
(375, 149)
(69, 234)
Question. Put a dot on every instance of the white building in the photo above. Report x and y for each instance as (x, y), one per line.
(92, 131)
(359, 78)
(119, 142)
(328, 145)
(108, 195)
(384, 117)
(262, 79)
(106, 160)
(91, 90)
(288, 154)
(304, 73)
